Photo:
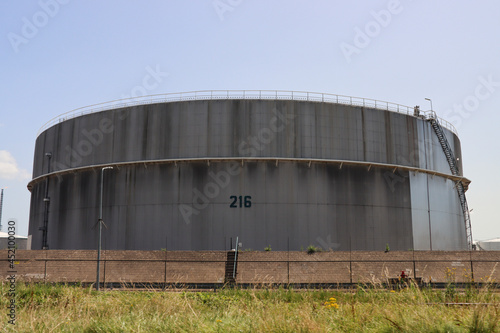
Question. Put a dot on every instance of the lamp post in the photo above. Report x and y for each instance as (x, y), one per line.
(46, 200)
(430, 100)
(99, 221)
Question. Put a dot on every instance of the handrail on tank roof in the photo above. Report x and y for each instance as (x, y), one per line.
(242, 94)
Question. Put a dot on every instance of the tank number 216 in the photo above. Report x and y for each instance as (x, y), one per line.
(240, 201)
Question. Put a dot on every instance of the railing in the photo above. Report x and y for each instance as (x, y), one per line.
(446, 124)
(239, 94)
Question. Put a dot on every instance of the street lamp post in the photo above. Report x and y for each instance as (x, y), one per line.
(430, 100)
(99, 221)
(46, 200)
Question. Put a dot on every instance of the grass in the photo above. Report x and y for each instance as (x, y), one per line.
(59, 308)
(313, 249)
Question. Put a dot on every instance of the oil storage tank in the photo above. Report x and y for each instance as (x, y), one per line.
(191, 171)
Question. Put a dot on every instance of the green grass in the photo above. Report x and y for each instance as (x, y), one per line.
(59, 308)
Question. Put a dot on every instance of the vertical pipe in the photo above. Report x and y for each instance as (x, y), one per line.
(1, 205)
(428, 194)
(99, 221)
(99, 227)
(46, 200)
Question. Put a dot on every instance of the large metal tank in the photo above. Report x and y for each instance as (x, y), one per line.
(193, 171)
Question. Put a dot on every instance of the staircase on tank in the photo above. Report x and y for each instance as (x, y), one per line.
(231, 267)
(450, 157)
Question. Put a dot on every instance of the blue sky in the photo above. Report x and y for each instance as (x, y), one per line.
(59, 55)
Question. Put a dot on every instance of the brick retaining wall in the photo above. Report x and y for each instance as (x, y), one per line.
(199, 267)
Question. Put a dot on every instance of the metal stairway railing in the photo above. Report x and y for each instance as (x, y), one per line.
(229, 275)
(450, 157)
(231, 265)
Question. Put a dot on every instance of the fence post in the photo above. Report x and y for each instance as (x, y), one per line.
(165, 272)
(414, 266)
(288, 261)
(471, 267)
(104, 275)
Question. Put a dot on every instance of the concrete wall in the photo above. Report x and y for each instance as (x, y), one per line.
(254, 267)
(188, 205)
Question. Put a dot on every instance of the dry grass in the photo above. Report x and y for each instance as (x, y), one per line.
(46, 308)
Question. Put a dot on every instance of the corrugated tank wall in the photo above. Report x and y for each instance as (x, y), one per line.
(191, 175)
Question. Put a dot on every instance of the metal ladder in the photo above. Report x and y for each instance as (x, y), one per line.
(450, 157)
